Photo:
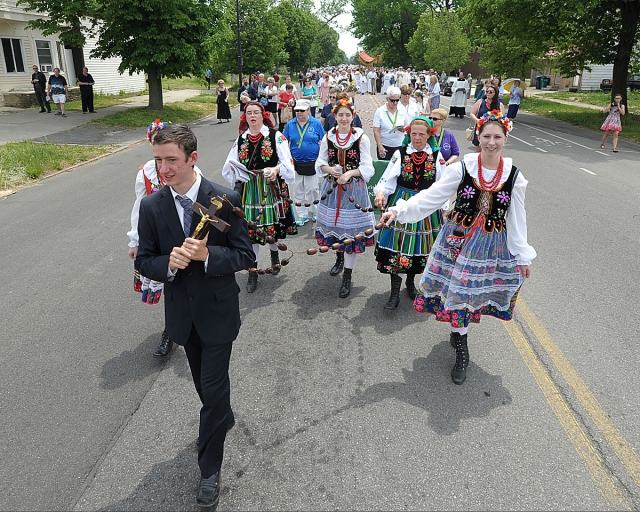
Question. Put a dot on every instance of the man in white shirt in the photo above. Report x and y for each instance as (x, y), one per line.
(287, 81)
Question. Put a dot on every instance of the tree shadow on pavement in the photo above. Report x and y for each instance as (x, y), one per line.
(428, 386)
(132, 365)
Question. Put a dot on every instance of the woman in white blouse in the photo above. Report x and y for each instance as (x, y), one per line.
(481, 256)
(389, 122)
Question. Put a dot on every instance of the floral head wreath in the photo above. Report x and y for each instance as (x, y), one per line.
(431, 133)
(344, 102)
(498, 117)
(156, 126)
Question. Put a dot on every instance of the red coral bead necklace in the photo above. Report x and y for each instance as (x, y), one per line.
(254, 138)
(342, 141)
(493, 183)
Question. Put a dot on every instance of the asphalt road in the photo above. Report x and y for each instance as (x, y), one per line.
(340, 404)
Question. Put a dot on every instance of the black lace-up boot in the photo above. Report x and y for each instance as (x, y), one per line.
(339, 265)
(345, 289)
(411, 287)
(394, 299)
(459, 371)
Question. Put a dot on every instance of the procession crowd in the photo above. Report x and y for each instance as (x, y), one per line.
(301, 155)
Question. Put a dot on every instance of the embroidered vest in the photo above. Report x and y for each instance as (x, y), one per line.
(260, 157)
(348, 158)
(472, 202)
(417, 177)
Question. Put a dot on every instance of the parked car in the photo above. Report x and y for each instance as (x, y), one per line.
(446, 89)
(606, 85)
(633, 83)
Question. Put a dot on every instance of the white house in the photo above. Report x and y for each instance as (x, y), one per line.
(22, 47)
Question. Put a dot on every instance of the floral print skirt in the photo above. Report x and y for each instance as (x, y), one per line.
(404, 248)
(484, 278)
(276, 218)
(339, 219)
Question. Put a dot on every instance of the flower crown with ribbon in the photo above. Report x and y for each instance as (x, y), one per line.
(344, 102)
(498, 117)
(156, 126)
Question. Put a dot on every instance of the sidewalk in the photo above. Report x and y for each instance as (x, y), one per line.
(29, 124)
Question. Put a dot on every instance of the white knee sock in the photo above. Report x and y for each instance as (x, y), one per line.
(349, 260)
(460, 330)
(256, 250)
(273, 247)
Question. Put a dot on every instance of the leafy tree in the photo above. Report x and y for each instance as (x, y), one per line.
(302, 29)
(518, 34)
(262, 35)
(325, 45)
(439, 42)
(162, 39)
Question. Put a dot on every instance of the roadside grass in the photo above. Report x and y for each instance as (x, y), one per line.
(99, 101)
(186, 82)
(580, 116)
(22, 162)
(192, 109)
(598, 98)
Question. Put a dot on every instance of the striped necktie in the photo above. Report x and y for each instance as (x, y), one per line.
(186, 204)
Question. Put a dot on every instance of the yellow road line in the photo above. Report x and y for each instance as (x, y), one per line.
(576, 434)
(619, 444)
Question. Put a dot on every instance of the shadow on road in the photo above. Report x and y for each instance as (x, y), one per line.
(428, 386)
(132, 365)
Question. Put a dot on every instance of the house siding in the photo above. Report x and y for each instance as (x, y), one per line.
(591, 79)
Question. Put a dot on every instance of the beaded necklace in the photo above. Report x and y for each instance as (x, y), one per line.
(342, 141)
(493, 183)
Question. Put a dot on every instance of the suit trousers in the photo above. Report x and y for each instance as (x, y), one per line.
(210, 371)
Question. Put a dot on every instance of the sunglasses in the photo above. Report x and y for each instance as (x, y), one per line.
(393, 101)
(406, 94)
(332, 97)
(435, 119)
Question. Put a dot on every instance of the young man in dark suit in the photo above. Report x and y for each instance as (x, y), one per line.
(201, 293)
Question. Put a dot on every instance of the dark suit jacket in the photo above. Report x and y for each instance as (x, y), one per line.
(208, 300)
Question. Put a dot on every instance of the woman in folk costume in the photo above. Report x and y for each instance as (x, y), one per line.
(481, 256)
(403, 248)
(147, 182)
(343, 213)
(260, 167)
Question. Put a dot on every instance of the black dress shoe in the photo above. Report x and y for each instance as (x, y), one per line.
(209, 491)
(165, 346)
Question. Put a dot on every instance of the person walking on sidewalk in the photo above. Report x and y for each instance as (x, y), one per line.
(85, 82)
(39, 82)
(203, 313)
(58, 90)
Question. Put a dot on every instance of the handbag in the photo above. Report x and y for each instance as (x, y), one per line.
(286, 115)
(305, 168)
(471, 131)
(319, 102)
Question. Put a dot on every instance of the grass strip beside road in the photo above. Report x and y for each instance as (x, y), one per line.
(188, 111)
(598, 98)
(580, 116)
(99, 101)
(22, 162)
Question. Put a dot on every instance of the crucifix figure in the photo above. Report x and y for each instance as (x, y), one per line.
(209, 218)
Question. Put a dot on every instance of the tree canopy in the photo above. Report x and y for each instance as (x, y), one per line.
(162, 39)
(439, 42)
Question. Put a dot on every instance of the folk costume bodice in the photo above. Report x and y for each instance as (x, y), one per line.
(473, 204)
(348, 158)
(417, 170)
(258, 155)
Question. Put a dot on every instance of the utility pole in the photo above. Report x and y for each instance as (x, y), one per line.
(239, 43)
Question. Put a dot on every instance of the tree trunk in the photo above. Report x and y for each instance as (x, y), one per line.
(629, 13)
(155, 88)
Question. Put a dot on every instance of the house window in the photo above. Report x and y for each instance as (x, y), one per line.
(13, 55)
(61, 61)
(45, 58)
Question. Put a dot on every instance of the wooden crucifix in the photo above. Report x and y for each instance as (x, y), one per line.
(209, 218)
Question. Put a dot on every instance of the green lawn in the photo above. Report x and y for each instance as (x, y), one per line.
(21, 162)
(580, 116)
(186, 82)
(188, 111)
(598, 98)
